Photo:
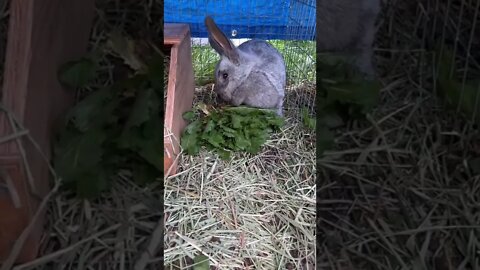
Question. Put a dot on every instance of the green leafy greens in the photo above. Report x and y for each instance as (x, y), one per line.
(344, 95)
(113, 128)
(228, 129)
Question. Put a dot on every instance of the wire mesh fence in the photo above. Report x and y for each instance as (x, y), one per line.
(289, 25)
(426, 52)
(442, 48)
(282, 173)
(456, 25)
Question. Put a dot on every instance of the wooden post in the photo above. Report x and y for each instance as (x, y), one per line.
(181, 86)
(42, 36)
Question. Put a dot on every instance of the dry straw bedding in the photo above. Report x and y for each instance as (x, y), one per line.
(396, 192)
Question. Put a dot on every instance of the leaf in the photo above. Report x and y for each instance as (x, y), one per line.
(190, 143)
(223, 154)
(189, 116)
(125, 49)
(276, 122)
(78, 73)
(230, 129)
(216, 139)
(131, 84)
(241, 142)
(78, 153)
(194, 127)
(243, 110)
(364, 93)
(256, 142)
(227, 129)
(210, 126)
(113, 128)
(308, 121)
(141, 108)
(336, 68)
(350, 99)
(201, 262)
(94, 110)
(147, 147)
(237, 121)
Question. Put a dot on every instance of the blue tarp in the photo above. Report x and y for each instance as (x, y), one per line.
(264, 19)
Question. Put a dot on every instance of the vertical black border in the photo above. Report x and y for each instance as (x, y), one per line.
(162, 117)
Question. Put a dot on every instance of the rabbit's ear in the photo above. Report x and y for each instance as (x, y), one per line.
(220, 42)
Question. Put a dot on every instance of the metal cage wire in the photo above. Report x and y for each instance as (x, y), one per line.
(292, 22)
(440, 26)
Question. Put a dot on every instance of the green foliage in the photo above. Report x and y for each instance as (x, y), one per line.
(308, 122)
(113, 128)
(201, 262)
(228, 129)
(457, 95)
(78, 73)
(125, 49)
(204, 59)
(345, 95)
(345, 91)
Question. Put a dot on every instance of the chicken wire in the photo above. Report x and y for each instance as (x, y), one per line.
(294, 38)
(438, 26)
(461, 32)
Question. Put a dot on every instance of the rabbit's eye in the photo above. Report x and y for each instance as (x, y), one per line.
(225, 75)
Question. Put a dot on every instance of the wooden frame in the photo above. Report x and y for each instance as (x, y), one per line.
(42, 36)
(180, 89)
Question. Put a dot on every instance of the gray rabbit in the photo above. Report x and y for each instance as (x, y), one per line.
(252, 74)
(348, 26)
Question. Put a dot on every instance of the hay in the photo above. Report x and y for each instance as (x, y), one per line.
(399, 190)
(122, 229)
(254, 210)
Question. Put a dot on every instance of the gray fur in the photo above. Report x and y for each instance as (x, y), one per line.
(348, 26)
(256, 76)
(256, 70)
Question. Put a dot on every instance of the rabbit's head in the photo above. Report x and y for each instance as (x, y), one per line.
(232, 68)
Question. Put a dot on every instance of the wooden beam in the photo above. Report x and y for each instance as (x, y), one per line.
(181, 86)
(42, 36)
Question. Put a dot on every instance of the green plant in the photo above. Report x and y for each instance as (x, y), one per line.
(344, 95)
(457, 95)
(201, 262)
(115, 127)
(228, 129)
